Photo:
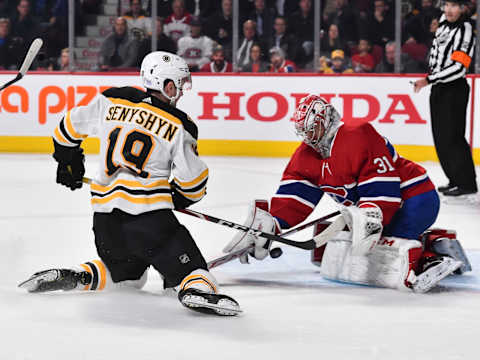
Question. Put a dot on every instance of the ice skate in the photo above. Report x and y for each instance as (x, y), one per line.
(55, 279)
(435, 269)
(209, 303)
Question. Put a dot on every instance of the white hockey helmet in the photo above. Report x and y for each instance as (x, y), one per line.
(159, 66)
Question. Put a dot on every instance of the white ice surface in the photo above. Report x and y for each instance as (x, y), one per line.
(289, 310)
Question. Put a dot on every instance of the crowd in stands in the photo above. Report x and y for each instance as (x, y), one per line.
(274, 35)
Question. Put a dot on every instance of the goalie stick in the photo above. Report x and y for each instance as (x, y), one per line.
(328, 233)
(311, 244)
(31, 54)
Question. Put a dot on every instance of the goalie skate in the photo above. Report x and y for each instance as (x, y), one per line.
(435, 269)
(209, 303)
(55, 279)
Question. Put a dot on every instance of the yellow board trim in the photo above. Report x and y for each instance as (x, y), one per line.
(258, 148)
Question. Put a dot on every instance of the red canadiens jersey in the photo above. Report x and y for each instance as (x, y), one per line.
(210, 67)
(363, 167)
(286, 67)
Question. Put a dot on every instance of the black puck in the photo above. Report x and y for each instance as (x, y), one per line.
(275, 253)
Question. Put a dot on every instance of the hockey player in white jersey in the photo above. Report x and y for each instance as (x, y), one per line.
(145, 141)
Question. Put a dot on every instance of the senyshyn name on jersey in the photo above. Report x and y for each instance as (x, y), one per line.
(148, 120)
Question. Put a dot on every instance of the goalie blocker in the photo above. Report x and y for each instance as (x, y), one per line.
(397, 263)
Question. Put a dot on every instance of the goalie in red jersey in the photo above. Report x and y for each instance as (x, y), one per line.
(387, 202)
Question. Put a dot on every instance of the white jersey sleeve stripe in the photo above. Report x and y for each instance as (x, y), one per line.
(381, 198)
(297, 198)
(380, 179)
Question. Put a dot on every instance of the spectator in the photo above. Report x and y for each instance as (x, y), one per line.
(5, 8)
(164, 43)
(7, 60)
(282, 39)
(137, 18)
(332, 41)
(380, 24)
(195, 49)
(417, 26)
(219, 27)
(278, 63)
(218, 63)
(57, 31)
(24, 25)
(264, 18)
(64, 60)
(433, 26)
(177, 24)
(119, 50)
(255, 63)
(387, 65)
(338, 64)
(249, 38)
(201, 8)
(363, 61)
(286, 7)
(344, 18)
(301, 25)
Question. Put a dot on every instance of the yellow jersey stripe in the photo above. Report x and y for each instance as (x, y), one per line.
(87, 269)
(195, 181)
(60, 138)
(128, 183)
(195, 276)
(103, 273)
(152, 108)
(194, 196)
(132, 199)
(71, 129)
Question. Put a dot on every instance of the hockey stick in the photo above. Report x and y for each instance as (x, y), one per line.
(329, 232)
(31, 54)
(311, 244)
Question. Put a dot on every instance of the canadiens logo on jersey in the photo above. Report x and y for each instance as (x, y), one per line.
(193, 53)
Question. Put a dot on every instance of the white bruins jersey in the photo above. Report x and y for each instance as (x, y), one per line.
(143, 143)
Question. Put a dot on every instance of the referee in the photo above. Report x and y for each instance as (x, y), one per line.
(450, 57)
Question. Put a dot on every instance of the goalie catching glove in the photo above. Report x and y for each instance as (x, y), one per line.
(365, 224)
(258, 219)
(70, 169)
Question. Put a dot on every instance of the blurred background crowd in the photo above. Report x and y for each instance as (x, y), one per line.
(274, 35)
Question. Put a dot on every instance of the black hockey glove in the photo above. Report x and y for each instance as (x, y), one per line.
(179, 201)
(70, 169)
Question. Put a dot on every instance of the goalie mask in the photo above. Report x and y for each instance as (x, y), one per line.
(159, 66)
(316, 122)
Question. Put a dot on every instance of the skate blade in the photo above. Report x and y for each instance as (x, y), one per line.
(33, 283)
(427, 282)
(223, 307)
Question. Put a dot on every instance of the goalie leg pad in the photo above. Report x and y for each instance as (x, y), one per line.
(454, 249)
(390, 264)
(444, 242)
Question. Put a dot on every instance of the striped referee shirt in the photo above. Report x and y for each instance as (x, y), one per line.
(451, 51)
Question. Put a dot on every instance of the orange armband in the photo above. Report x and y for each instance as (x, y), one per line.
(462, 58)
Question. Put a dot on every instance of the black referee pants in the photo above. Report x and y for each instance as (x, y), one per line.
(448, 109)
